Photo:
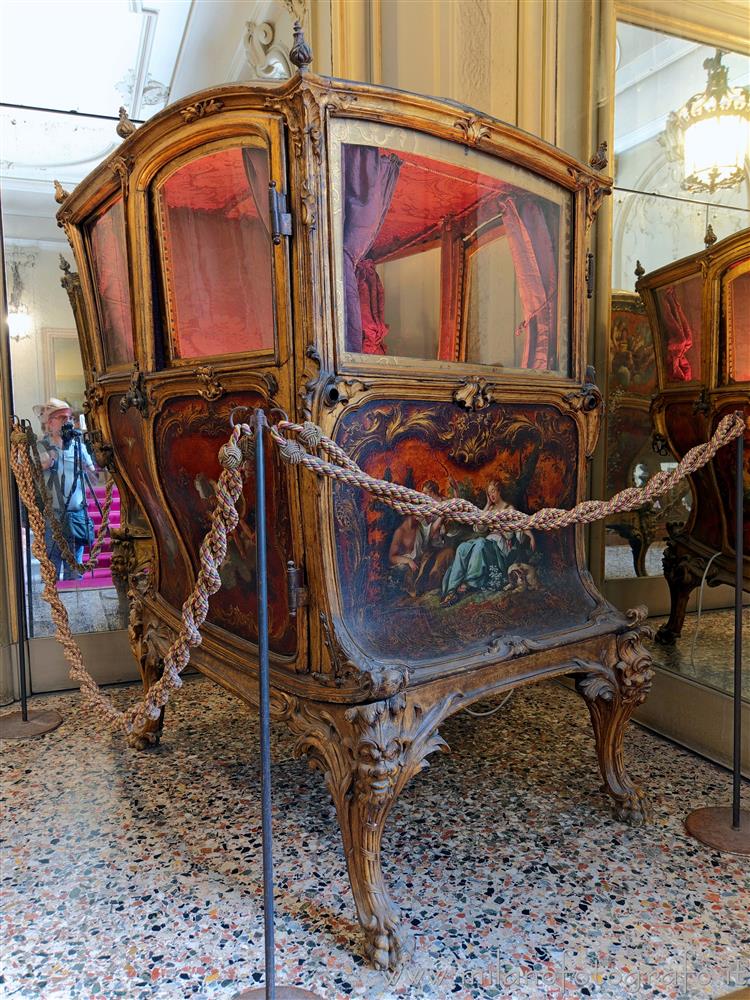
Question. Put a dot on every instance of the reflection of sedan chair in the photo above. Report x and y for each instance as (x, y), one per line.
(192, 300)
(699, 308)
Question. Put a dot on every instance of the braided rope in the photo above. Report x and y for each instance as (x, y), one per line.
(53, 520)
(408, 501)
(212, 552)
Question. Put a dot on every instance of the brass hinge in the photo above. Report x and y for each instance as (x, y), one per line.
(281, 219)
(296, 591)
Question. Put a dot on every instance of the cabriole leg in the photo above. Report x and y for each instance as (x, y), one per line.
(367, 754)
(613, 689)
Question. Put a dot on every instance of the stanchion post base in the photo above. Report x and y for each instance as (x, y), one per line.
(12, 726)
(713, 827)
(282, 993)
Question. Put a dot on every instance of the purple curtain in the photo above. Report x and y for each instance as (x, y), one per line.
(256, 170)
(535, 263)
(369, 183)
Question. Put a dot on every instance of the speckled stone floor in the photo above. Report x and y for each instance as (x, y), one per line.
(138, 875)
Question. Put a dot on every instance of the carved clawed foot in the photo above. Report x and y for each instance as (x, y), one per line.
(388, 944)
(613, 689)
(367, 754)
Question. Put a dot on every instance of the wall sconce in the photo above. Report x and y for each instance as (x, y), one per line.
(20, 320)
(710, 133)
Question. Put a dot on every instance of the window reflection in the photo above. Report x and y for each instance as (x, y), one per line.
(444, 262)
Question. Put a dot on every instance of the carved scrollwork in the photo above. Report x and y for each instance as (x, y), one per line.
(660, 445)
(209, 386)
(473, 129)
(311, 378)
(378, 682)
(473, 393)
(702, 402)
(272, 383)
(93, 397)
(595, 193)
(588, 401)
(137, 394)
(201, 109)
(508, 647)
(309, 202)
(122, 166)
(340, 391)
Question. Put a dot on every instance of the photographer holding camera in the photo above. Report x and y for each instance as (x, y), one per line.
(67, 466)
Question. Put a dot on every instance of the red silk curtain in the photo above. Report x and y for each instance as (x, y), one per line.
(534, 261)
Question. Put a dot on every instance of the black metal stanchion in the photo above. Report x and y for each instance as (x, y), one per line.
(728, 829)
(270, 991)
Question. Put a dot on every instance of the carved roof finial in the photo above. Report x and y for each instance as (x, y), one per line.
(301, 53)
(599, 160)
(64, 265)
(124, 127)
(710, 238)
(60, 193)
(640, 270)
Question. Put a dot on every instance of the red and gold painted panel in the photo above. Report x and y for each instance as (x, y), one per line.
(188, 435)
(724, 465)
(421, 591)
(130, 452)
(632, 361)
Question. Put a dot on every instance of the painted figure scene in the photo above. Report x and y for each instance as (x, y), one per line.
(425, 589)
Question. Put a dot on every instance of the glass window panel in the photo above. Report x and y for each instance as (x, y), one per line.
(738, 320)
(451, 255)
(110, 257)
(216, 252)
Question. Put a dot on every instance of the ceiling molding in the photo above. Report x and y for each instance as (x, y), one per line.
(723, 24)
(54, 245)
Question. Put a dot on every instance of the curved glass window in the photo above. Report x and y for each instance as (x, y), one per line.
(216, 253)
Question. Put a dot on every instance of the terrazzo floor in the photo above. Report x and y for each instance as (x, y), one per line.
(138, 875)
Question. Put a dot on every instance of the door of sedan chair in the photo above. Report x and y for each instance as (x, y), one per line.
(451, 263)
(189, 293)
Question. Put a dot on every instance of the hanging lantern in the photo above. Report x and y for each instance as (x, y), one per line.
(710, 133)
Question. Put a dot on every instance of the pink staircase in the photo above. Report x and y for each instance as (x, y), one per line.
(100, 577)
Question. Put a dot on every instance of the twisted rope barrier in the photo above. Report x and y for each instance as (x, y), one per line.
(408, 501)
(224, 519)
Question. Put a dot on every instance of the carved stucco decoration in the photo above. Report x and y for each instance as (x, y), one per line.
(474, 393)
(265, 60)
(194, 112)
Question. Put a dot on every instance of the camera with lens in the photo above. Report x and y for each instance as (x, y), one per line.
(68, 431)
